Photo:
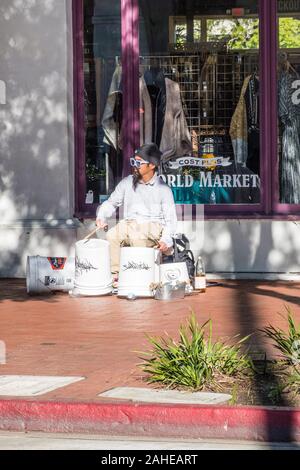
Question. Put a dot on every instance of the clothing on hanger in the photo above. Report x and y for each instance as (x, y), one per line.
(165, 121)
(287, 67)
(156, 86)
(289, 114)
(111, 121)
(244, 128)
(162, 118)
(253, 109)
(238, 128)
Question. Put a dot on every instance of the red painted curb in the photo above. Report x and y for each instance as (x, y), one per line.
(185, 421)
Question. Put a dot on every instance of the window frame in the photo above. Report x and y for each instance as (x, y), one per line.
(130, 104)
(287, 211)
(269, 207)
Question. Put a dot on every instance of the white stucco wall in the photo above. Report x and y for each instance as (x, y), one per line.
(37, 159)
(36, 131)
(242, 249)
(252, 248)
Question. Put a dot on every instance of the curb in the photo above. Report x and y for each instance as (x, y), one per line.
(146, 420)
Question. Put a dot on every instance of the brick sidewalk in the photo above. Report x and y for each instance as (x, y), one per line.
(97, 337)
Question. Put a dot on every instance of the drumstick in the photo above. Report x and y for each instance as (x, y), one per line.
(93, 233)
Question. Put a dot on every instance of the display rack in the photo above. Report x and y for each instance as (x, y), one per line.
(210, 85)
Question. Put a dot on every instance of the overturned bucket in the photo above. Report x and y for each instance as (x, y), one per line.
(92, 268)
(174, 272)
(46, 275)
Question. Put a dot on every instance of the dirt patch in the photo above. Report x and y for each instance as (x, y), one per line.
(269, 385)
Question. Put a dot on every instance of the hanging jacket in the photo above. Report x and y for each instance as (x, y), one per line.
(156, 90)
(239, 129)
(175, 136)
(175, 139)
(110, 122)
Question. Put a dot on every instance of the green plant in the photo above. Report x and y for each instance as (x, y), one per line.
(288, 343)
(288, 365)
(92, 171)
(275, 393)
(194, 362)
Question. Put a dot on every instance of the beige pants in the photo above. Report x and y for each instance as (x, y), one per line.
(130, 233)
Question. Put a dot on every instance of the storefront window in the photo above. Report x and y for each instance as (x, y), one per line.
(102, 98)
(289, 101)
(199, 97)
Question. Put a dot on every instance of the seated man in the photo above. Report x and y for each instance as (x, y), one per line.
(149, 210)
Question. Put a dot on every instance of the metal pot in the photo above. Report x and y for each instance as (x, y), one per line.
(169, 291)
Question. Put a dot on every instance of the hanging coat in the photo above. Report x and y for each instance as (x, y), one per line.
(239, 129)
(175, 138)
(110, 122)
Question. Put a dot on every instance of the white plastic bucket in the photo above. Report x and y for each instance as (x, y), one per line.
(92, 268)
(171, 272)
(45, 275)
(138, 270)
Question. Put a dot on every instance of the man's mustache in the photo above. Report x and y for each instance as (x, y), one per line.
(136, 173)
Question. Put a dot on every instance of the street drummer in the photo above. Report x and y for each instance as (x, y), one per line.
(149, 209)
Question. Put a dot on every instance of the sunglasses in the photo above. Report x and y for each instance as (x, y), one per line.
(137, 163)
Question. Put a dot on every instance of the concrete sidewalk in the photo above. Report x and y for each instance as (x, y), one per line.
(97, 338)
(43, 441)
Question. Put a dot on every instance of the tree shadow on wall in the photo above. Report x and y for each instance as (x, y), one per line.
(36, 167)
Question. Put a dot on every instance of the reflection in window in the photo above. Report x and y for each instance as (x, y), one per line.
(102, 97)
(241, 34)
(199, 98)
(180, 32)
(289, 33)
(238, 34)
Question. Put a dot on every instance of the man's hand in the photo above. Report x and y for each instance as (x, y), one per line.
(163, 248)
(101, 224)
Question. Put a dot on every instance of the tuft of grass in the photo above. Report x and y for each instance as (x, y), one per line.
(287, 342)
(293, 382)
(194, 361)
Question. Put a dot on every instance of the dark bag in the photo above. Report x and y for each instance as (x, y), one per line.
(182, 254)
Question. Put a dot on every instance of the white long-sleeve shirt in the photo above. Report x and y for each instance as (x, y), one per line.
(150, 202)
